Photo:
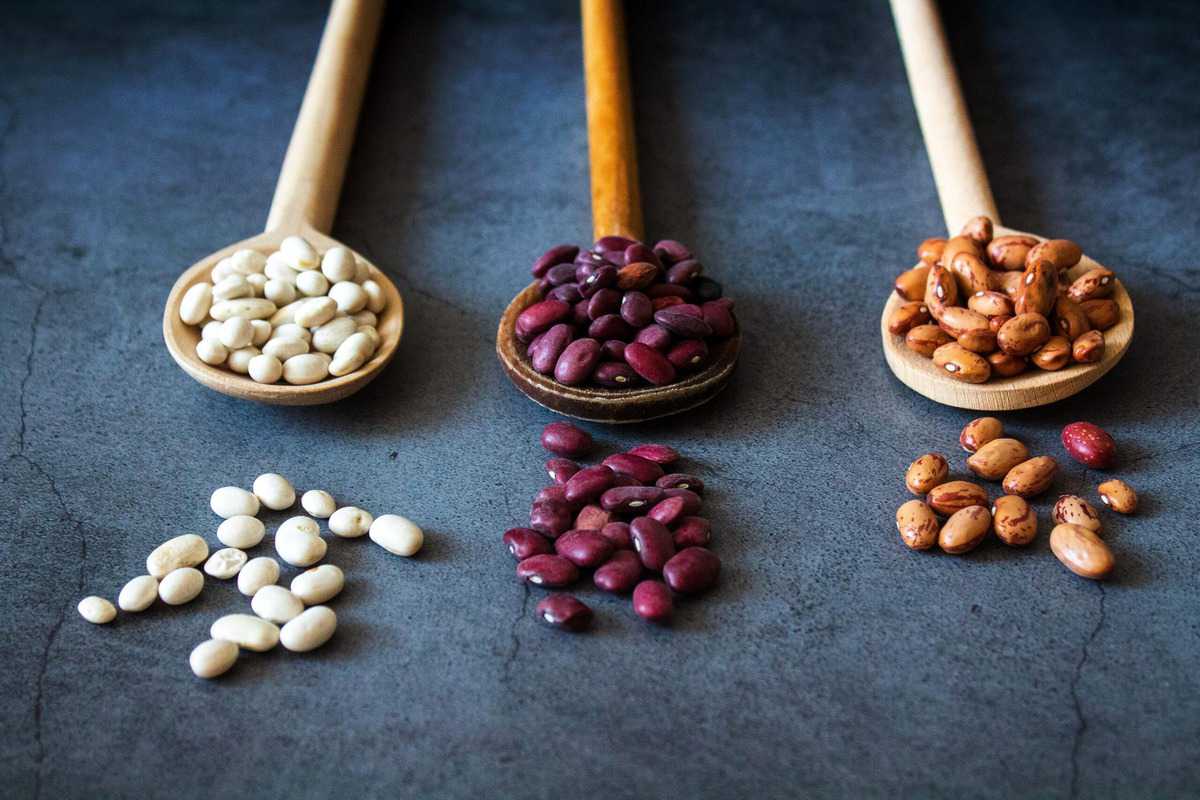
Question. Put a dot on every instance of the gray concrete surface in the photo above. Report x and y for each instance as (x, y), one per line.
(779, 139)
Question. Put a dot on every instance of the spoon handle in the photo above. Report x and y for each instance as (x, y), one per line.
(616, 201)
(306, 195)
(958, 170)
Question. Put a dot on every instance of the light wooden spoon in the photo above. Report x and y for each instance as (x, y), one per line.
(616, 211)
(305, 203)
(964, 193)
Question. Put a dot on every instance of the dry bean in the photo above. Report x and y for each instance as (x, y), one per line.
(1014, 522)
(584, 548)
(195, 304)
(551, 571)
(306, 368)
(1081, 551)
(1089, 444)
(265, 369)
(907, 316)
(917, 524)
(246, 631)
(349, 296)
(692, 570)
(993, 461)
(231, 288)
(315, 311)
(649, 363)
(211, 352)
(941, 290)
(396, 534)
(213, 658)
(592, 518)
(181, 586)
(376, 299)
(338, 265)
(692, 531)
(326, 338)
(539, 317)
(550, 518)
(652, 542)
(930, 251)
(1092, 285)
(1031, 478)
(350, 522)
(926, 339)
(97, 610)
(678, 480)
(1088, 348)
(564, 439)
(187, 550)
(1119, 496)
(248, 262)
(1039, 289)
(962, 364)
(577, 362)
(990, 304)
(257, 573)
(618, 533)
(351, 354)
(1005, 365)
(248, 307)
(299, 253)
(620, 573)
(1023, 334)
(139, 594)
(225, 563)
(318, 585)
(230, 501)
(926, 472)
(1053, 355)
(278, 268)
(978, 432)
(318, 503)
(640, 469)
(564, 612)
(280, 292)
(1102, 314)
(276, 604)
(239, 360)
(1071, 321)
(652, 601)
(964, 530)
(283, 348)
(948, 498)
(299, 547)
(525, 542)
(241, 531)
(1074, 510)
(274, 491)
(910, 284)
(1008, 252)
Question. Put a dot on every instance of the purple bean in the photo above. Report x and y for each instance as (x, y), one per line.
(560, 274)
(706, 288)
(649, 363)
(560, 469)
(526, 542)
(546, 350)
(550, 518)
(564, 439)
(620, 573)
(638, 252)
(682, 273)
(688, 355)
(579, 314)
(585, 270)
(692, 532)
(577, 362)
(653, 542)
(691, 500)
(652, 601)
(615, 375)
(613, 243)
(630, 499)
(658, 453)
(618, 534)
(680, 480)
(667, 510)
(604, 277)
(655, 336)
(533, 343)
(643, 469)
(668, 290)
(719, 317)
(625, 480)
(589, 257)
(539, 317)
(682, 322)
(584, 548)
(559, 254)
(672, 251)
(613, 350)
(610, 326)
(692, 570)
(614, 257)
(637, 309)
(592, 518)
(588, 484)
(543, 286)
(568, 293)
(605, 301)
(564, 612)
(547, 570)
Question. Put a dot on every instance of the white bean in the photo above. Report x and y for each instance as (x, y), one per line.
(258, 572)
(211, 351)
(299, 548)
(361, 271)
(312, 283)
(241, 531)
(278, 269)
(221, 271)
(139, 594)
(225, 563)
(236, 333)
(246, 631)
(97, 610)
(338, 264)
(213, 658)
(196, 302)
(187, 550)
(310, 630)
(349, 296)
(231, 288)
(290, 330)
(285, 347)
(229, 501)
(275, 491)
(314, 311)
(247, 261)
(279, 292)
(319, 584)
(397, 535)
(181, 586)
(306, 368)
(239, 360)
(262, 332)
(372, 334)
(299, 253)
(318, 503)
(365, 317)
(211, 330)
(350, 522)
(276, 604)
(351, 354)
(258, 284)
(302, 524)
(248, 307)
(376, 299)
(265, 369)
(328, 337)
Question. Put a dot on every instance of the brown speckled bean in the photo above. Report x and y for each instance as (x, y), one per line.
(584, 548)
(993, 461)
(620, 573)
(547, 570)
(907, 316)
(979, 431)
(526, 542)
(961, 364)
(692, 570)
(1074, 510)
(1119, 496)
(1008, 252)
(1092, 285)
(1054, 354)
(1102, 314)
(926, 339)
(931, 249)
(910, 284)
(1013, 520)
(631, 499)
(1005, 365)
(564, 439)
(1081, 551)
(1023, 334)
(652, 601)
(917, 524)
(1031, 478)
(577, 362)
(1069, 319)
(953, 496)
(1039, 289)
(564, 612)
(692, 532)
(926, 472)
(1088, 348)
(965, 529)
(652, 542)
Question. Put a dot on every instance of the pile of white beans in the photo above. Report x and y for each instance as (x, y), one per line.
(293, 315)
(294, 616)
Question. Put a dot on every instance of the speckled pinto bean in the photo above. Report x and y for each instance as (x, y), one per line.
(539, 317)
(692, 532)
(546, 350)
(990, 303)
(1074, 510)
(964, 530)
(630, 499)
(1102, 314)
(550, 518)
(652, 542)
(953, 496)
(926, 339)
(1023, 334)
(1119, 496)
(1014, 522)
(564, 439)
(1062, 253)
(972, 274)
(910, 284)
(652, 601)
(640, 469)
(1031, 478)
(930, 250)
(926, 472)
(564, 612)
(681, 480)
(692, 570)
(658, 453)
(961, 364)
(1039, 289)
(993, 461)
(1088, 348)
(618, 533)
(552, 571)
(907, 316)
(1092, 285)
(526, 542)
(620, 573)
(941, 290)
(978, 432)
(584, 548)
(1053, 355)
(1005, 365)
(1008, 252)
(588, 484)
(1069, 319)
(979, 230)
(1081, 551)
(592, 518)
(917, 524)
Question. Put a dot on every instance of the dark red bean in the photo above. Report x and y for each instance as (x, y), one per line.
(692, 570)
(551, 494)
(668, 510)
(604, 277)
(682, 322)
(690, 354)
(533, 343)
(547, 570)
(613, 350)
(584, 548)
(605, 301)
(526, 542)
(660, 290)
(655, 336)
(588, 484)
(618, 534)
(564, 439)
(692, 501)
(672, 251)
(589, 257)
(638, 252)
(643, 469)
(543, 286)
(620, 573)
(564, 612)
(611, 326)
(586, 270)
(682, 273)
(636, 309)
(652, 601)
(658, 453)
(659, 303)
(614, 243)
(692, 532)
(539, 317)
(560, 274)
(680, 480)
(592, 518)
(706, 289)
(577, 362)
(630, 499)
(559, 254)
(560, 469)
(649, 363)
(615, 375)
(579, 317)
(551, 518)
(653, 542)
(548, 347)
(719, 317)
(614, 257)
(568, 293)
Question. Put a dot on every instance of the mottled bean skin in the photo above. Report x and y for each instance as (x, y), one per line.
(1053, 355)
(1014, 521)
(1102, 314)
(1088, 348)
(962, 364)
(926, 339)
(910, 284)
(620, 573)
(978, 432)
(1031, 478)
(1089, 444)
(1119, 496)
(993, 461)
(953, 496)
(964, 530)
(652, 542)
(907, 316)
(564, 612)
(917, 524)
(1023, 334)
(1074, 510)
(1039, 289)
(926, 472)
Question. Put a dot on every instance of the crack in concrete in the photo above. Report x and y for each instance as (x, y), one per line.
(29, 354)
(506, 669)
(1081, 724)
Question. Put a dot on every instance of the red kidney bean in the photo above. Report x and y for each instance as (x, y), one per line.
(577, 362)
(614, 243)
(550, 518)
(649, 363)
(667, 510)
(589, 257)
(692, 532)
(630, 499)
(540, 316)
(637, 252)
(719, 317)
(691, 500)
(560, 274)
(618, 534)
(605, 277)
(683, 272)
(613, 350)
(658, 453)
(692, 570)
(620, 573)
(605, 301)
(614, 257)
(642, 469)
(551, 494)
(526, 542)
(559, 254)
(584, 548)
(533, 343)
(548, 347)
(655, 336)
(706, 289)
(547, 570)
(579, 314)
(588, 484)
(689, 354)
(626, 480)
(652, 541)
(568, 293)
(560, 469)
(564, 439)
(586, 270)
(615, 375)
(543, 286)
(660, 290)
(652, 601)
(592, 518)
(682, 322)
(659, 303)
(610, 326)
(680, 480)
(1089, 444)
(636, 309)
(672, 251)
(564, 612)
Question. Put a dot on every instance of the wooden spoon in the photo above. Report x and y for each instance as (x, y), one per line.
(305, 202)
(964, 192)
(616, 211)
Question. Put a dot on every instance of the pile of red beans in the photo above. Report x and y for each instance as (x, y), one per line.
(627, 518)
(623, 314)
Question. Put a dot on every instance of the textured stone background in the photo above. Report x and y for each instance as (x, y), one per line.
(779, 139)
